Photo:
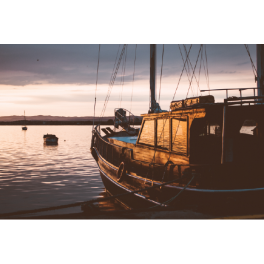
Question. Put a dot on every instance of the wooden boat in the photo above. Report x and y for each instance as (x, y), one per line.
(50, 139)
(193, 154)
(24, 127)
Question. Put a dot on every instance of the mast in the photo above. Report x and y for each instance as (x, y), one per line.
(24, 118)
(154, 106)
(260, 68)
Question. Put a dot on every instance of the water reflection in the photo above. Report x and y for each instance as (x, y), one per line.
(34, 175)
(50, 147)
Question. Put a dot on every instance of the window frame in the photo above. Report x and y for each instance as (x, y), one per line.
(170, 149)
(186, 119)
(159, 147)
(141, 129)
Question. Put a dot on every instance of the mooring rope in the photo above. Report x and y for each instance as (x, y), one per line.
(173, 198)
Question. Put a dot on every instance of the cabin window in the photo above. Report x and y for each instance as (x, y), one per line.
(214, 129)
(147, 135)
(249, 127)
(163, 133)
(205, 141)
(179, 136)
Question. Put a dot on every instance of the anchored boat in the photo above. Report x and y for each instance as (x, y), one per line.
(50, 139)
(24, 127)
(193, 154)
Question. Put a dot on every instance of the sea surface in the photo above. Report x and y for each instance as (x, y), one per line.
(34, 176)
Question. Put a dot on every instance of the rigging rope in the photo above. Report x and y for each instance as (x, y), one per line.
(187, 71)
(194, 70)
(198, 81)
(207, 68)
(201, 58)
(133, 77)
(181, 73)
(121, 81)
(161, 72)
(252, 64)
(112, 81)
(181, 113)
(96, 83)
(124, 72)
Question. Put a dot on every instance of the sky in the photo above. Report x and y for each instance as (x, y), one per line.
(60, 79)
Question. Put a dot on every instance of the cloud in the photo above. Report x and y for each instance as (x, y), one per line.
(22, 65)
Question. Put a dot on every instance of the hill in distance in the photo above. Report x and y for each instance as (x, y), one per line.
(56, 118)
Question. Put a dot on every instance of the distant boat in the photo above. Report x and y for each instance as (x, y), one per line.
(24, 127)
(50, 139)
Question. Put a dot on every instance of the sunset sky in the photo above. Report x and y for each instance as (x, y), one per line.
(60, 79)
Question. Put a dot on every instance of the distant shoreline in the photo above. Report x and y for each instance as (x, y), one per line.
(59, 123)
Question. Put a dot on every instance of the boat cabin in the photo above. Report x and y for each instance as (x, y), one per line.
(194, 129)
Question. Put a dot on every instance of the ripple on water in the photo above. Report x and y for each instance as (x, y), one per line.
(33, 175)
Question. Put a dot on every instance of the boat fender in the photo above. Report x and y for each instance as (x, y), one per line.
(94, 154)
(121, 173)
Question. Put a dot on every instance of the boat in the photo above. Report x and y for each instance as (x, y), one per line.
(50, 139)
(24, 127)
(192, 155)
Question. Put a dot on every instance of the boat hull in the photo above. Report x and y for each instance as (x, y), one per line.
(189, 198)
(50, 141)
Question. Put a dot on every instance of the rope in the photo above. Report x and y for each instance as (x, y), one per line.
(173, 198)
(161, 71)
(187, 71)
(181, 74)
(198, 86)
(200, 70)
(112, 81)
(121, 81)
(96, 84)
(205, 71)
(124, 72)
(252, 64)
(194, 70)
(181, 113)
(207, 68)
(133, 76)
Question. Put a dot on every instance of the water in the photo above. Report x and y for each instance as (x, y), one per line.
(33, 175)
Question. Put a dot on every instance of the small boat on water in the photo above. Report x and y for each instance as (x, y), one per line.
(24, 127)
(193, 154)
(50, 139)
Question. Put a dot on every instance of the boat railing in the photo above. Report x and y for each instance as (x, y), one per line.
(109, 151)
(236, 89)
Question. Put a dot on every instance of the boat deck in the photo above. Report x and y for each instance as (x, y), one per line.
(127, 139)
